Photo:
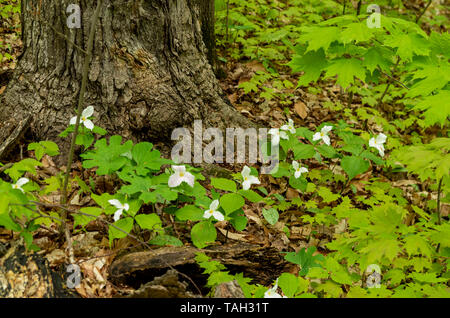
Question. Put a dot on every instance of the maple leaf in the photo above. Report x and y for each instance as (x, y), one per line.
(305, 259)
(108, 158)
(346, 70)
(436, 107)
(312, 64)
(407, 45)
(358, 32)
(320, 38)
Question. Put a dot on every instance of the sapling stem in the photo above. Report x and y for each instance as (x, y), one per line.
(80, 100)
(87, 59)
(438, 208)
(389, 82)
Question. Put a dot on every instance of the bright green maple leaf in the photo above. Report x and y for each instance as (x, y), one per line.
(436, 107)
(305, 259)
(108, 158)
(346, 70)
(358, 32)
(320, 38)
(407, 45)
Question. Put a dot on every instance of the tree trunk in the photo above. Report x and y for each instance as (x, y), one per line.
(149, 72)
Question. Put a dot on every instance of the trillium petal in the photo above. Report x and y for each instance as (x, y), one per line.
(326, 129)
(297, 174)
(207, 214)
(381, 138)
(372, 143)
(116, 203)
(317, 136)
(326, 140)
(245, 171)
(73, 120)
(22, 181)
(303, 170)
(295, 164)
(88, 124)
(189, 179)
(179, 168)
(175, 180)
(283, 135)
(253, 180)
(126, 207)
(214, 205)
(117, 215)
(218, 216)
(88, 112)
(246, 185)
(381, 150)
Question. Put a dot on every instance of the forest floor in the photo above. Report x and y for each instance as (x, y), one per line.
(308, 107)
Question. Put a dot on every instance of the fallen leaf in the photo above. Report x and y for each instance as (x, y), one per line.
(301, 109)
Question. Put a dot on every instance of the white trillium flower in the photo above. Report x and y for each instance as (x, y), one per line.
(213, 211)
(276, 135)
(289, 126)
(18, 185)
(179, 176)
(323, 134)
(120, 207)
(272, 292)
(298, 170)
(248, 179)
(87, 112)
(378, 143)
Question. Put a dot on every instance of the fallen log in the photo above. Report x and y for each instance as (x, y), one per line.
(25, 274)
(262, 264)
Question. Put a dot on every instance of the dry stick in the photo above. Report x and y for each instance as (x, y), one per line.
(7, 166)
(424, 10)
(117, 228)
(77, 124)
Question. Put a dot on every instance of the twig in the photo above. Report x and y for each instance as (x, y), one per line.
(5, 167)
(424, 10)
(389, 83)
(392, 78)
(79, 48)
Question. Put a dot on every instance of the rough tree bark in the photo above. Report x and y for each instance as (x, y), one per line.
(149, 73)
